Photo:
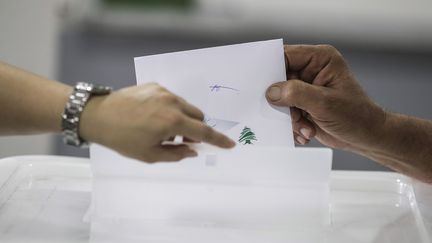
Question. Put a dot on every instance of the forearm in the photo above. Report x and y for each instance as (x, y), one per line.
(30, 103)
(405, 145)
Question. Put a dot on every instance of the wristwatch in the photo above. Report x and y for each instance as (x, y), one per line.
(73, 109)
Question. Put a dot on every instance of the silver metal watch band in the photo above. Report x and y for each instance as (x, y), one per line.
(73, 110)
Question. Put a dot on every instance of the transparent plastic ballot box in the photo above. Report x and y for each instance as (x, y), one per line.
(217, 195)
(44, 199)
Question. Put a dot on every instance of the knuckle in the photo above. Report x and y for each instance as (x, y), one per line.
(332, 51)
(328, 48)
(289, 91)
(153, 86)
(296, 126)
(295, 115)
(168, 98)
(162, 89)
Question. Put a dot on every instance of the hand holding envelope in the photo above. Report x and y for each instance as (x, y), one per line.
(143, 117)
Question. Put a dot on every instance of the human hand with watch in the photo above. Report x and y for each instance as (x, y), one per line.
(134, 121)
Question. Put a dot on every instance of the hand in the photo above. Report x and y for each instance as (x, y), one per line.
(325, 99)
(135, 121)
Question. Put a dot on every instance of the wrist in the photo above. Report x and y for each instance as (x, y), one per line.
(90, 126)
(382, 138)
(374, 132)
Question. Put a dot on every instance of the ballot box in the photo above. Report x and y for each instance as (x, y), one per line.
(45, 199)
(248, 194)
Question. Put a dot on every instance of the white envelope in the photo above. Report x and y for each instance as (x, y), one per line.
(228, 84)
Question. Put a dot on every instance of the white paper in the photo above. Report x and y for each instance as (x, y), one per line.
(228, 84)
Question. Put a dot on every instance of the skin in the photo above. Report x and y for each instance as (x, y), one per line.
(134, 121)
(328, 104)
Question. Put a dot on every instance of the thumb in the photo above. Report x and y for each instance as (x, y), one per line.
(295, 93)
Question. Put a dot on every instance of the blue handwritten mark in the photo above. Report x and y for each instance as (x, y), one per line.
(217, 88)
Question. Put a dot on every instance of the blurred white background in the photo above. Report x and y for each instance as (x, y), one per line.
(388, 43)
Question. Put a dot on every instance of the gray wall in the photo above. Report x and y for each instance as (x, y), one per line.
(399, 81)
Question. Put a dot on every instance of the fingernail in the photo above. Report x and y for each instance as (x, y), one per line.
(306, 132)
(274, 93)
(301, 140)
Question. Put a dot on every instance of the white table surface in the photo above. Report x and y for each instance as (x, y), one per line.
(44, 199)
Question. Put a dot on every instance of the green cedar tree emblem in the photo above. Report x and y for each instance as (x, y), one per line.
(247, 136)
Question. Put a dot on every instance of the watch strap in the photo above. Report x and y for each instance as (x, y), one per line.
(71, 116)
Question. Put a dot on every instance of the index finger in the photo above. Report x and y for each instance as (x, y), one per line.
(312, 63)
(199, 131)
